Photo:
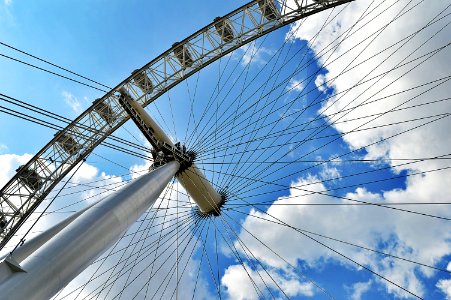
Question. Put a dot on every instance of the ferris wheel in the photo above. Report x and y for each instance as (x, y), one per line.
(253, 142)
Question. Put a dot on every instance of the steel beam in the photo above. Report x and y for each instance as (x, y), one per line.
(53, 265)
(192, 179)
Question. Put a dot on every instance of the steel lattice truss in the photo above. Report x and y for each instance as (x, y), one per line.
(34, 180)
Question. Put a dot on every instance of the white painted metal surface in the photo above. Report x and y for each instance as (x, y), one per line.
(80, 241)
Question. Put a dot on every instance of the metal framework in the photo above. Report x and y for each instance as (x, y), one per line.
(34, 180)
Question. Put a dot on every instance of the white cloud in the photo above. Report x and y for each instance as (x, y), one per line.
(8, 2)
(422, 239)
(404, 145)
(73, 102)
(8, 165)
(239, 286)
(445, 284)
(405, 235)
(329, 172)
(321, 83)
(253, 54)
(295, 85)
(359, 289)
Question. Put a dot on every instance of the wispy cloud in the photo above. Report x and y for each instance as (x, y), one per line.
(252, 53)
(445, 284)
(359, 289)
(3, 148)
(6, 17)
(73, 102)
(295, 85)
(321, 83)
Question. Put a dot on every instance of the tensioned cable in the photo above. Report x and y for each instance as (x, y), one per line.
(246, 249)
(346, 257)
(283, 259)
(170, 254)
(119, 274)
(351, 108)
(420, 173)
(345, 242)
(353, 200)
(202, 138)
(99, 275)
(355, 150)
(337, 252)
(53, 73)
(313, 40)
(54, 65)
(394, 108)
(63, 119)
(311, 60)
(317, 148)
(320, 137)
(32, 119)
(235, 252)
(159, 238)
(22, 239)
(104, 286)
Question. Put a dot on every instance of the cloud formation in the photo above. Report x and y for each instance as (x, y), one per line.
(387, 78)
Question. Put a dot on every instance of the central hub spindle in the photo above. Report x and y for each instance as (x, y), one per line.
(190, 177)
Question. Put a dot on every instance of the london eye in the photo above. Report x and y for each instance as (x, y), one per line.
(288, 149)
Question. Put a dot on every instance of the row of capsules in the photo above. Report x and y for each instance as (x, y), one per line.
(69, 144)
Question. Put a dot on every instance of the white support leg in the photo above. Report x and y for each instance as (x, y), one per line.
(53, 265)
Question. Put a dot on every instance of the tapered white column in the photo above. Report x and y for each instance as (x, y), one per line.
(53, 265)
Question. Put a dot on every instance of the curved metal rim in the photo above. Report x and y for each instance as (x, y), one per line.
(20, 214)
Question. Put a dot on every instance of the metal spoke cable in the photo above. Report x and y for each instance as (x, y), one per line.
(304, 233)
(324, 291)
(362, 124)
(317, 148)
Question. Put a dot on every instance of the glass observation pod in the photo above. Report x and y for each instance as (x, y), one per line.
(142, 81)
(268, 9)
(30, 178)
(224, 29)
(104, 111)
(2, 221)
(183, 55)
(68, 143)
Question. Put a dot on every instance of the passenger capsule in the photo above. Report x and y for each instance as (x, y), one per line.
(224, 30)
(268, 9)
(104, 111)
(30, 178)
(2, 221)
(183, 55)
(142, 81)
(68, 143)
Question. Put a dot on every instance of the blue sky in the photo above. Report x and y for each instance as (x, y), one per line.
(106, 40)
